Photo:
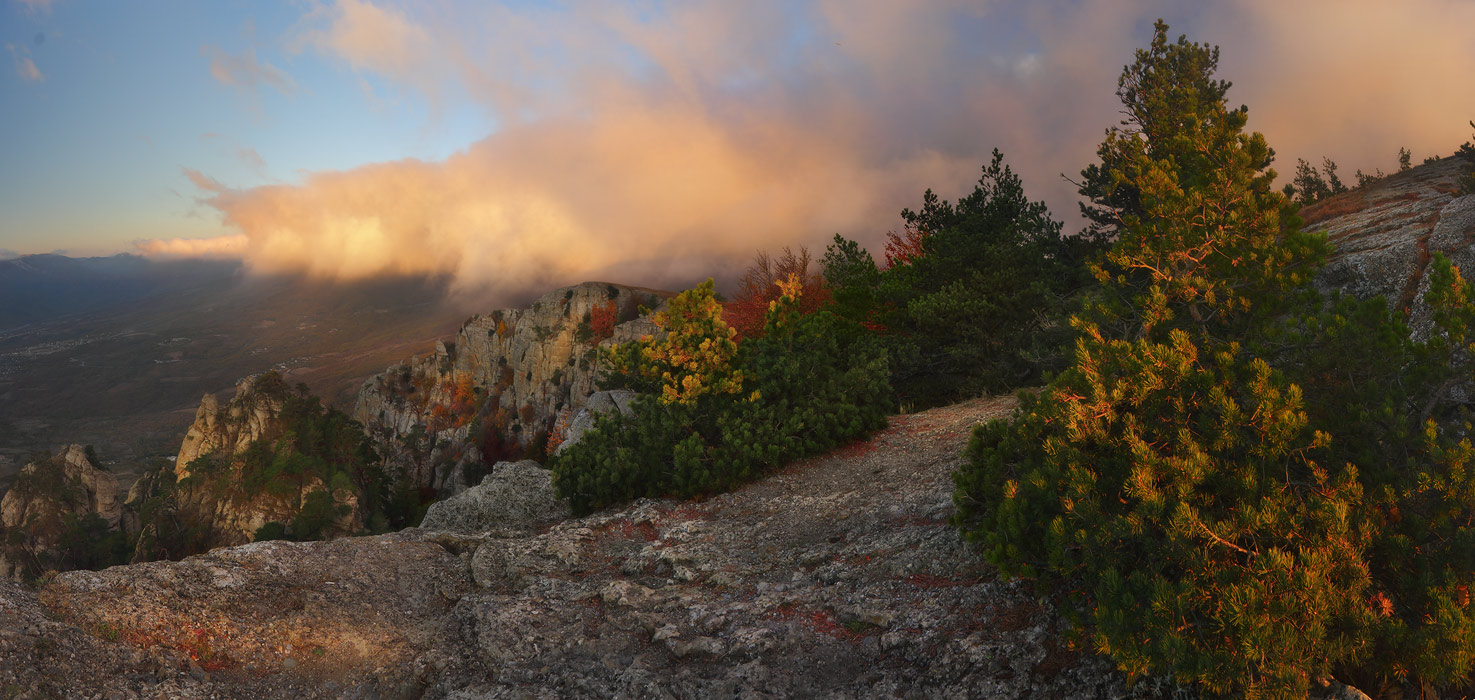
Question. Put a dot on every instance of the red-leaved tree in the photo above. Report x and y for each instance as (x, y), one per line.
(760, 286)
(905, 247)
(602, 319)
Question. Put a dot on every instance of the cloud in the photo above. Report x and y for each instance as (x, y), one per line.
(24, 66)
(245, 71)
(203, 181)
(372, 39)
(229, 247)
(1338, 79)
(245, 154)
(7, 254)
(659, 145)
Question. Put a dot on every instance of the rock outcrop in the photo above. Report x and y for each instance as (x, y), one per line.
(46, 493)
(515, 496)
(1386, 233)
(511, 372)
(249, 416)
(837, 577)
(215, 503)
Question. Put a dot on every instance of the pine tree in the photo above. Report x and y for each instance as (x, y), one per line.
(807, 382)
(1307, 186)
(1169, 81)
(1170, 474)
(1329, 167)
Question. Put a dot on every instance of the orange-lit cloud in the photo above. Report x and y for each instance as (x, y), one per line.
(1353, 80)
(661, 148)
(560, 202)
(234, 246)
(373, 39)
(203, 181)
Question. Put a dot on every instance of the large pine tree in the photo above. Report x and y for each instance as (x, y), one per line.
(1203, 515)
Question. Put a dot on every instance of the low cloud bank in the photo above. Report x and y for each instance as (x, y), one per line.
(659, 148)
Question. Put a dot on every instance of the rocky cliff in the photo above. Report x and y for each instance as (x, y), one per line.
(500, 383)
(837, 577)
(208, 489)
(250, 415)
(48, 498)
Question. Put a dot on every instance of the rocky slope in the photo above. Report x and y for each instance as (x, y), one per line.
(46, 493)
(511, 372)
(837, 577)
(1386, 233)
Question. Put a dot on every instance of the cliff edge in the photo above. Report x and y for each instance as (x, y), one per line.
(838, 576)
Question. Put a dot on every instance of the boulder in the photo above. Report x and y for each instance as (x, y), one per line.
(515, 496)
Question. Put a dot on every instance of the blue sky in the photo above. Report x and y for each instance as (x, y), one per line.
(511, 145)
(95, 149)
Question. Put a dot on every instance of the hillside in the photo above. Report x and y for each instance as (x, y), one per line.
(838, 576)
(127, 378)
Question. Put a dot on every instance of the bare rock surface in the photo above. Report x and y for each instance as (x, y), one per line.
(1386, 233)
(837, 577)
(514, 496)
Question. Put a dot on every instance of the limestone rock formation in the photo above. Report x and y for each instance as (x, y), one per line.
(214, 502)
(510, 372)
(249, 415)
(515, 496)
(34, 512)
(599, 402)
(1386, 232)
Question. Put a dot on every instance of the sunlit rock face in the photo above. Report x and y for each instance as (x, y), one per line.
(46, 493)
(249, 415)
(1386, 233)
(214, 501)
(511, 372)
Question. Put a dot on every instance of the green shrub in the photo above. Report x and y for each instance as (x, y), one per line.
(273, 530)
(725, 415)
(968, 293)
(318, 511)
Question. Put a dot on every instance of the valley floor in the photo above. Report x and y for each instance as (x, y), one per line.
(838, 576)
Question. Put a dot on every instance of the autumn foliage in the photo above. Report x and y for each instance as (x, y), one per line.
(602, 320)
(906, 247)
(459, 410)
(717, 413)
(759, 288)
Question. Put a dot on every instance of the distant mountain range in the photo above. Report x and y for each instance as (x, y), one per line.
(43, 287)
(116, 351)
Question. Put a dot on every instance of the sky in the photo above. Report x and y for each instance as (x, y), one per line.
(518, 144)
